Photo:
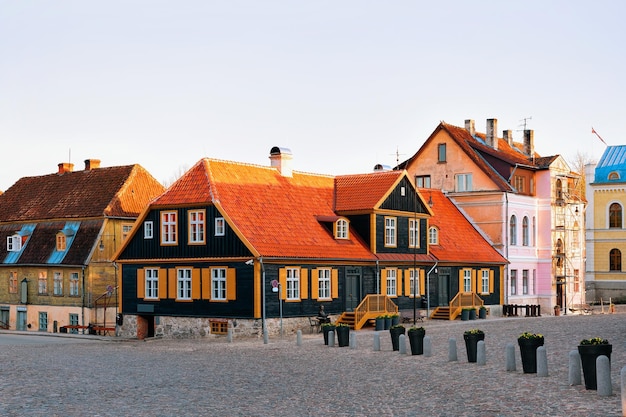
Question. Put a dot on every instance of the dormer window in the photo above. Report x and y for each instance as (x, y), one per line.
(61, 242)
(341, 229)
(614, 176)
(14, 243)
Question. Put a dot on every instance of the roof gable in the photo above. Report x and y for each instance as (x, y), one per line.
(613, 160)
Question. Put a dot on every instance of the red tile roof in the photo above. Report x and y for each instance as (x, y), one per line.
(277, 215)
(122, 191)
(459, 241)
(364, 191)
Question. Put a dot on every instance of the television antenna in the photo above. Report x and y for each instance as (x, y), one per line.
(397, 155)
(525, 122)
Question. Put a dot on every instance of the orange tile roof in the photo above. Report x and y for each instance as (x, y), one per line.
(364, 191)
(277, 215)
(121, 191)
(459, 241)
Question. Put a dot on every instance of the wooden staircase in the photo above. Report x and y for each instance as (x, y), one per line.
(372, 306)
(459, 302)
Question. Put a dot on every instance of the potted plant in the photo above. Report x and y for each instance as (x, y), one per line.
(557, 310)
(465, 314)
(395, 319)
(590, 350)
(343, 334)
(472, 337)
(528, 344)
(380, 322)
(472, 313)
(395, 332)
(482, 312)
(416, 339)
(326, 329)
(388, 321)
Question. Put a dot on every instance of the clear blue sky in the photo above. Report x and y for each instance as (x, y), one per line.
(344, 84)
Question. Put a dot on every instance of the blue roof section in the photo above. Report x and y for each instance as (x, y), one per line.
(25, 231)
(612, 161)
(69, 230)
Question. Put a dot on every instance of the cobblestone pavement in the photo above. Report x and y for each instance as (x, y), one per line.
(211, 377)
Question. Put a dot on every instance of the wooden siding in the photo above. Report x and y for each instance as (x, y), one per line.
(409, 202)
(402, 235)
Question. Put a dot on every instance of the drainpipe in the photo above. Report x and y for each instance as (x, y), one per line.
(506, 247)
(83, 298)
(377, 278)
(428, 289)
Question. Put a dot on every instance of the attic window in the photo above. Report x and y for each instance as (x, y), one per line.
(614, 176)
(433, 236)
(14, 243)
(61, 242)
(341, 229)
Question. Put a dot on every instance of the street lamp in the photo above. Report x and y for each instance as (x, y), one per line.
(434, 268)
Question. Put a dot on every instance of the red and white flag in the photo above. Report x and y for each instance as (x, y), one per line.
(596, 133)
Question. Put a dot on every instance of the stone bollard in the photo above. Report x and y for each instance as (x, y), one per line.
(428, 346)
(575, 377)
(603, 376)
(481, 353)
(229, 336)
(266, 337)
(510, 357)
(352, 340)
(452, 357)
(376, 341)
(402, 344)
(542, 361)
(331, 338)
(299, 338)
(623, 385)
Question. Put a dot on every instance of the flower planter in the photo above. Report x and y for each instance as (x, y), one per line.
(387, 323)
(482, 313)
(343, 335)
(416, 340)
(395, 320)
(464, 315)
(528, 351)
(380, 323)
(472, 314)
(471, 345)
(326, 331)
(588, 356)
(395, 336)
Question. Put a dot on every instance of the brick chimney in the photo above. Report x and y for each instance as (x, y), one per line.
(470, 127)
(281, 159)
(529, 142)
(65, 167)
(508, 136)
(491, 136)
(91, 164)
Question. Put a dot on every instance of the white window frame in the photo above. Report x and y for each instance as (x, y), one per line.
(467, 280)
(324, 283)
(152, 283)
(42, 283)
(14, 243)
(513, 281)
(74, 284)
(464, 182)
(220, 226)
(433, 236)
(169, 227)
(414, 232)
(183, 284)
(293, 283)
(414, 285)
(218, 283)
(126, 230)
(484, 282)
(196, 226)
(148, 229)
(392, 283)
(58, 283)
(341, 229)
(525, 281)
(390, 231)
(513, 230)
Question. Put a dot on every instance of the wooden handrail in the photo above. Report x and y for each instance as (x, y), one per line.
(373, 304)
(463, 300)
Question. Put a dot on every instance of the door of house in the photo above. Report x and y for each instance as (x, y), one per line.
(4, 318)
(443, 290)
(353, 288)
(21, 320)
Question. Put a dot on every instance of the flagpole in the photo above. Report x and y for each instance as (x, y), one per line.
(599, 137)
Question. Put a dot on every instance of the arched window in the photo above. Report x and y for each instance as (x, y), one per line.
(559, 253)
(559, 190)
(614, 176)
(513, 230)
(525, 232)
(433, 236)
(615, 216)
(341, 229)
(615, 260)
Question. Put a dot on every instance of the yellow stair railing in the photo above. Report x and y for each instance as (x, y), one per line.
(463, 300)
(371, 306)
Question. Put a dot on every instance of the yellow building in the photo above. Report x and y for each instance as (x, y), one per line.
(606, 232)
(61, 231)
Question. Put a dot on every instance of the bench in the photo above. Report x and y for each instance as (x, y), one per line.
(315, 324)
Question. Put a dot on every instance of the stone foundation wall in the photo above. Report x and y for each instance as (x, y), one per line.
(194, 327)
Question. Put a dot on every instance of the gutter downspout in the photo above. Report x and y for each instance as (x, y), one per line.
(83, 297)
(377, 278)
(506, 247)
(428, 288)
